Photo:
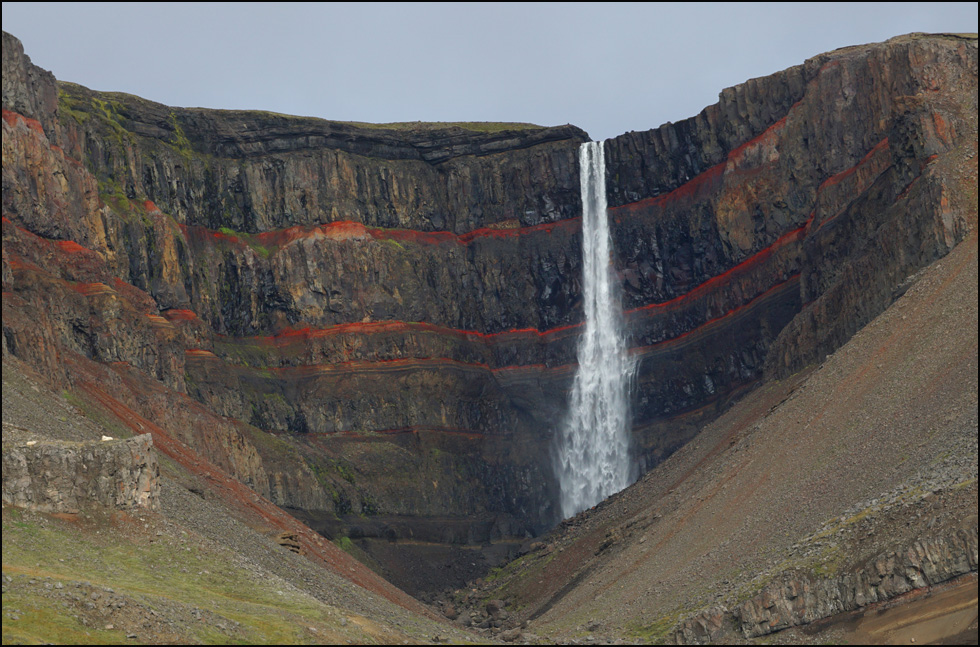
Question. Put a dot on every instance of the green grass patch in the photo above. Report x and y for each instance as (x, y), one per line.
(345, 544)
(40, 620)
(245, 354)
(71, 106)
(656, 632)
(248, 239)
(172, 575)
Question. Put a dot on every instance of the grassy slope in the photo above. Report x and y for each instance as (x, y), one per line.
(190, 573)
(175, 575)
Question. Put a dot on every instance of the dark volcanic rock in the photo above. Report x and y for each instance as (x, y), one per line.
(27, 89)
(802, 598)
(255, 171)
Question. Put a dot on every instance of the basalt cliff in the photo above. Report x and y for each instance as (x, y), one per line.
(374, 326)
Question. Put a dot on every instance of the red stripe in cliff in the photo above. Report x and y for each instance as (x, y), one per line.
(712, 283)
(794, 278)
(401, 327)
(701, 184)
(180, 315)
(72, 247)
(241, 497)
(708, 180)
(350, 230)
(354, 366)
(767, 136)
(288, 336)
(12, 118)
(834, 179)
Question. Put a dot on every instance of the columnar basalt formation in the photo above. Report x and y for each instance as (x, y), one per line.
(57, 476)
(399, 304)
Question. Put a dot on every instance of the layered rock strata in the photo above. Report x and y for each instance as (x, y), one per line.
(59, 476)
(816, 191)
(408, 295)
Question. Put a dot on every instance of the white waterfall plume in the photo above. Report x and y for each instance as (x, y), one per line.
(593, 453)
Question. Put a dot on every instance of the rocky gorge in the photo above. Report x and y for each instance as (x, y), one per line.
(374, 326)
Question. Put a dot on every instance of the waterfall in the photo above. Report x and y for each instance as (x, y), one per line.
(593, 453)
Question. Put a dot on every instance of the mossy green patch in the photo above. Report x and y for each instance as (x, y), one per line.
(172, 575)
(345, 544)
(70, 106)
(179, 141)
(369, 507)
(345, 471)
(238, 351)
(248, 239)
(657, 631)
(131, 212)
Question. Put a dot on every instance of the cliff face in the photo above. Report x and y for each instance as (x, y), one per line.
(841, 486)
(399, 304)
(387, 298)
(757, 237)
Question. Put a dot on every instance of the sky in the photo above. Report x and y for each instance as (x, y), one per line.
(608, 68)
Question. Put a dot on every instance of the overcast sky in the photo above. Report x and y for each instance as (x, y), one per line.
(607, 68)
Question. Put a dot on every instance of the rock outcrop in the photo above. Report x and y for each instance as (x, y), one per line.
(65, 477)
(803, 598)
(797, 601)
(398, 304)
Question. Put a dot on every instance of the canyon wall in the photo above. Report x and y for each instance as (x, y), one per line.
(376, 324)
(758, 236)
